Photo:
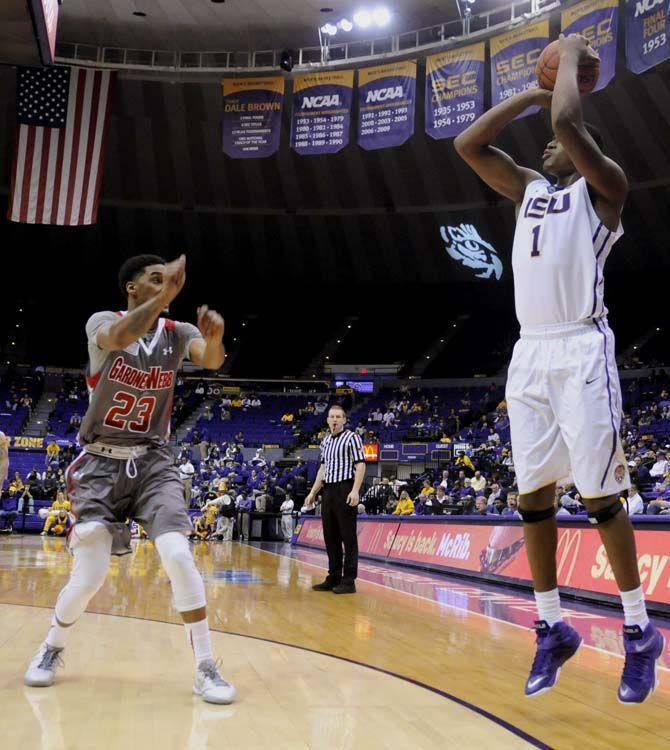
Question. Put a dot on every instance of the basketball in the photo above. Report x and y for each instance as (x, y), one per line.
(546, 70)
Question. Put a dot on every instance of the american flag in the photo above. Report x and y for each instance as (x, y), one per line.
(62, 117)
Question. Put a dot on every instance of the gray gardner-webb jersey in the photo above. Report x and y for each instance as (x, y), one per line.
(131, 390)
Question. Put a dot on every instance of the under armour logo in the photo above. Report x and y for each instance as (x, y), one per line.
(167, 350)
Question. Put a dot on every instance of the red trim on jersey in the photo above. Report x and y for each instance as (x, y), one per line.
(69, 483)
(93, 380)
(170, 325)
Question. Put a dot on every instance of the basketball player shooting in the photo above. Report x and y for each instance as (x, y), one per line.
(563, 392)
(126, 468)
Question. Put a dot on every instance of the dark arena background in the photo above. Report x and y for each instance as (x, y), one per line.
(379, 278)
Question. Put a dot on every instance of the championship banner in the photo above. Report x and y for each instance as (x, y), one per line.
(386, 96)
(647, 31)
(597, 21)
(252, 116)
(321, 112)
(454, 90)
(513, 59)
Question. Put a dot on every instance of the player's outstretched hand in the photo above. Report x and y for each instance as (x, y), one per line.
(578, 45)
(174, 278)
(542, 97)
(210, 324)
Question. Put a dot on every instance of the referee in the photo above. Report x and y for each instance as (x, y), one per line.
(341, 475)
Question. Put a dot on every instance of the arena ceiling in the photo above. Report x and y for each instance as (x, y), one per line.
(230, 25)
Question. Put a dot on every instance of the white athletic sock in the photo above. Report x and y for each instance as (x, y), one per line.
(57, 635)
(199, 640)
(548, 606)
(634, 609)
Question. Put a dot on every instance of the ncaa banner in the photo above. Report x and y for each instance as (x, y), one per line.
(321, 112)
(647, 31)
(513, 59)
(252, 116)
(454, 90)
(597, 21)
(386, 96)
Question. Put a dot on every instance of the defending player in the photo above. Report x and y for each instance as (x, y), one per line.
(563, 391)
(126, 469)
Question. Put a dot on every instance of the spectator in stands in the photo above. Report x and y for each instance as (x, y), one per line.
(53, 450)
(75, 423)
(499, 506)
(463, 462)
(262, 500)
(405, 506)
(480, 506)
(635, 504)
(426, 489)
(186, 472)
(287, 417)
(661, 466)
(25, 500)
(512, 509)
(478, 482)
(389, 419)
(15, 486)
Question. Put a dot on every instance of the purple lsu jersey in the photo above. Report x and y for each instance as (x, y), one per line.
(131, 390)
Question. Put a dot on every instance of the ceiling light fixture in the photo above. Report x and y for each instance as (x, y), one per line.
(362, 18)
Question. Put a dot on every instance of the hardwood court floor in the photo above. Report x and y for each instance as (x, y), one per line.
(128, 671)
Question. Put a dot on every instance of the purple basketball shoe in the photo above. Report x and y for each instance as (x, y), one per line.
(643, 649)
(555, 645)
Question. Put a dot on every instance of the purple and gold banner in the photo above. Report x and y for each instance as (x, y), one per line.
(647, 32)
(386, 96)
(513, 59)
(454, 90)
(252, 116)
(597, 21)
(321, 112)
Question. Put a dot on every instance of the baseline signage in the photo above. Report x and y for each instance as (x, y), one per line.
(493, 551)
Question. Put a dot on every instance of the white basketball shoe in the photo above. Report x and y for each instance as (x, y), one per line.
(42, 669)
(209, 684)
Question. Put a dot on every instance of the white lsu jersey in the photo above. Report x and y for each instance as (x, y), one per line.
(559, 253)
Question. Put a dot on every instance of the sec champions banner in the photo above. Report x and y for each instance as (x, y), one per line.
(454, 90)
(513, 59)
(647, 32)
(321, 112)
(252, 116)
(386, 96)
(597, 21)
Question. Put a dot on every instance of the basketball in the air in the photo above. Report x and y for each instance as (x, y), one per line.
(546, 70)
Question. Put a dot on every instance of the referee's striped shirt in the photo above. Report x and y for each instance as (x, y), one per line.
(339, 454)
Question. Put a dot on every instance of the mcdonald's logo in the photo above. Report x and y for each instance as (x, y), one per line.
(567, 553)
(371, 452)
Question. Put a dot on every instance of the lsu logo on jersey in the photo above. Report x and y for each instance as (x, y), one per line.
(540, 206)
(464, 244)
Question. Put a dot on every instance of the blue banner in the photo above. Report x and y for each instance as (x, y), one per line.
(597, 21)
(386, 96)
(321, 112)
(252, 116)
(513, 59)
(647, 31)
(454, 90)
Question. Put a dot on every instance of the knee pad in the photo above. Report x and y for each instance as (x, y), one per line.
(188, 590)
(604, 514)
(91, 550)
(533, 516)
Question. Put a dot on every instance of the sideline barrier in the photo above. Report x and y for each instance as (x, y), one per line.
(494, 550)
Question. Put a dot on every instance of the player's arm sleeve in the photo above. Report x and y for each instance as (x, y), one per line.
(188, 333)
(357, 452)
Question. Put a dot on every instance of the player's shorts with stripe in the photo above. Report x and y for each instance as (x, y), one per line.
(564, 403)
(100, 490)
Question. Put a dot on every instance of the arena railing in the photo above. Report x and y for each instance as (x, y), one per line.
(329, 55)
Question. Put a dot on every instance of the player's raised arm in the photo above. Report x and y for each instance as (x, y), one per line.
(498, 170)
(208, 352)
(603, 174)
(168, 281)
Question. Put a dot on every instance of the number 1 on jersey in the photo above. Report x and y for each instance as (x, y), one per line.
(535, 253)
